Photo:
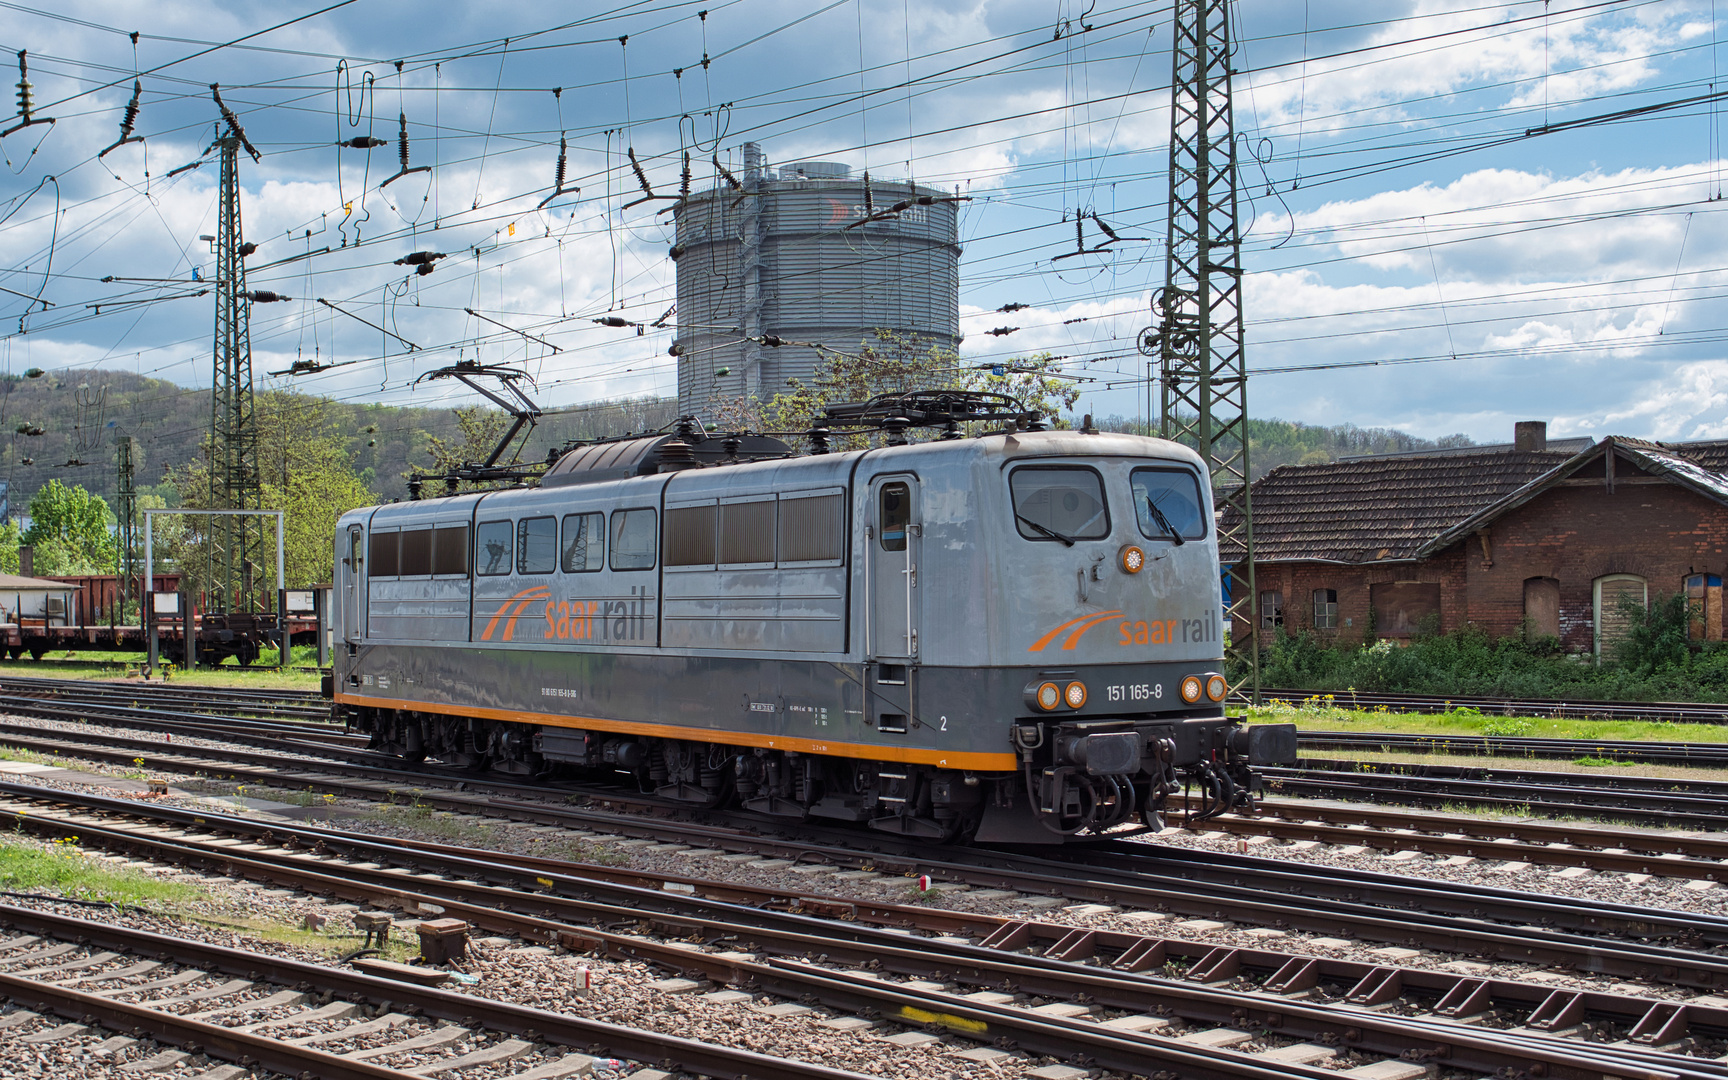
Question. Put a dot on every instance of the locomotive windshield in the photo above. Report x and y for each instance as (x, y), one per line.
(1167, 504)
(1059, 503)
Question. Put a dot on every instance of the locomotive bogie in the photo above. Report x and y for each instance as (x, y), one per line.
(1017, 635)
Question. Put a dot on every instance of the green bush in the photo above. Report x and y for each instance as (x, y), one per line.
(1655, 662)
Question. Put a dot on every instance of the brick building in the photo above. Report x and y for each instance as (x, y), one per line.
(1524, 537)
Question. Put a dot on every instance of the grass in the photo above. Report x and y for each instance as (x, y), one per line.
(63, 868)
(228, 675)
(1329, 713)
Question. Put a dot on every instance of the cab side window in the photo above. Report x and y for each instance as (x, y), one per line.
(893, 513)
(492, 548)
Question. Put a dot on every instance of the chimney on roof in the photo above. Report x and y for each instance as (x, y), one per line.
(1530, 435)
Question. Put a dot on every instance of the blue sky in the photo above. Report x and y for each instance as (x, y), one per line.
(1417, 258)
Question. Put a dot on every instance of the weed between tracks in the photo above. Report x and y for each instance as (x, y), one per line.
(62, 868)
(1588, 764)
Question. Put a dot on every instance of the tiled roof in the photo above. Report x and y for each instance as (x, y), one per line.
(1379, 508)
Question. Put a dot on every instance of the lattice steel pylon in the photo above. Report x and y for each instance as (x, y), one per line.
(1198, 339)
(126, 509)
(234, 484)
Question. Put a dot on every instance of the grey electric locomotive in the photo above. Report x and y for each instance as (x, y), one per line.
(1015, 636)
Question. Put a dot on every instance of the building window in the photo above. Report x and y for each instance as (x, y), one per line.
(633, 539)
(584, 543)
(537, 545)
(1325, 609)
(1271, 610)
(1541, 608)
(1615, 594)
(1704, 604)
(492, 549)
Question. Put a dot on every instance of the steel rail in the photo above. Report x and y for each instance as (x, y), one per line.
(668, 1051)
(787, 934)
(1677, 711)
(1654, 753)
(1393, 783)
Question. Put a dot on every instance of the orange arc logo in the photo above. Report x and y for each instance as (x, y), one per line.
(1077, 627)
(520, 601)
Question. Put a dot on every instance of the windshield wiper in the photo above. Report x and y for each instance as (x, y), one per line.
(1164, 522)
(1051, 533)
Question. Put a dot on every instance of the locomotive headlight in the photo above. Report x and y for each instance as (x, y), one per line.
(1049, 696)
(1216, 688)
(1133, 560)
(1075, 695)
(1192, 688)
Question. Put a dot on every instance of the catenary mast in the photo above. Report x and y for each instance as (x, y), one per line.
(1198, 338)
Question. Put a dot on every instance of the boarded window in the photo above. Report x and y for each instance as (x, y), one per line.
(416, 552)
(812, 529)
(450, 550)
(584, 543)
(1401, 608)
(386, 554)
(1059, 503)
(633, 540)
(492, 547)
(1541, 608)
(689, 536)
(747, 532)
(1271, 610)
(1704, 605)
(1618, 598)
(537, 545)
(1325, 609)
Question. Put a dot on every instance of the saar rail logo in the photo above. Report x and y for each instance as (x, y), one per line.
(511, 610)
(1131, 631)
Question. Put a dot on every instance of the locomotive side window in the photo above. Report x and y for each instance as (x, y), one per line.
(386, 554)
(747, 532)
(894, 511)
(416, 553)
(810, 528)
(584, 543)
(633, 539)
(536, 545)
(1171, 494)
(1059, 503)
(450, 549)
(492, 548)
(689, 537)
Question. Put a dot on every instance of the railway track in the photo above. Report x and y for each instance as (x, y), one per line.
(1653, 753)
(1255, 892)
(1186, 1008)
(1674, 711)
(109, 986)
(1654, 801)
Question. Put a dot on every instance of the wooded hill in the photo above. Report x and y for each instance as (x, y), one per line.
(80, 414)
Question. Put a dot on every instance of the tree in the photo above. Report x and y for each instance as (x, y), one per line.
(71, 530)
(898, 364)
(9, 539)
(304, 470)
